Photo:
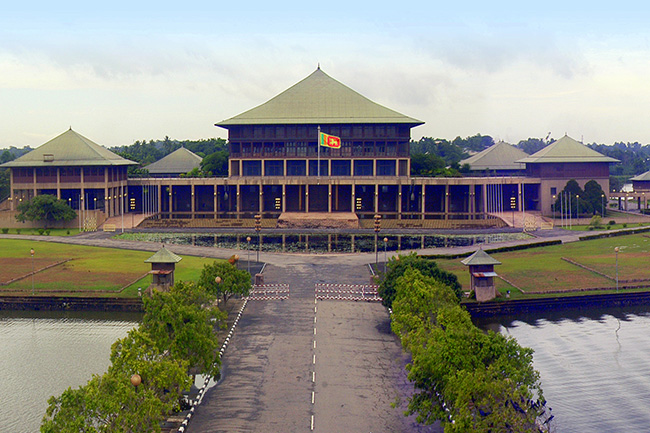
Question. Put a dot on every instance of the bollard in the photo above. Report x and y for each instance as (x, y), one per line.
(259, 279)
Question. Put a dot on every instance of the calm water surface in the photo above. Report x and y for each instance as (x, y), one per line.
(44, 353)
(594, 366)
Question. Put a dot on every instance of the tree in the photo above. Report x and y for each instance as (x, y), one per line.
(182, 321)
(5, 184)
(232, 280)
(216, 163)
(45, 207)
(467, 379)
(398, 265)
(595, 196)
(571, 200)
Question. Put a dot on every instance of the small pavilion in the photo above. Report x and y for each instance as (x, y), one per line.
(481, 272)
(163, 264)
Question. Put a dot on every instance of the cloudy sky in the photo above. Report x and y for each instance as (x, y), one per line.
(128, 70)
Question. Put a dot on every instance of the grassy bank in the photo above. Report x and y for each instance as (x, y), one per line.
(72, 270)
(572, 268)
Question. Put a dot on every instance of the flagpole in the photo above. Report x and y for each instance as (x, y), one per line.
(318, 145)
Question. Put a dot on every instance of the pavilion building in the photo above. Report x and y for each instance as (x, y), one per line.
(73, 168)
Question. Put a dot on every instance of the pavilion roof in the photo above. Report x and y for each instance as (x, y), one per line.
(566, 149)
(480, 257)
(69, 149)
(318, 100)
(642, 177)
(163, 255)
(500, 156)
(179, 161)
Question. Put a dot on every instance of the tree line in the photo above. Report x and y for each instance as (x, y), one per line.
(176, 340)
(467, 379)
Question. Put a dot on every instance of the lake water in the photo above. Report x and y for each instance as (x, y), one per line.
(44, 353)
(594, 366)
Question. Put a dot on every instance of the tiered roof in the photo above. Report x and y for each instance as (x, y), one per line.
(318, 100)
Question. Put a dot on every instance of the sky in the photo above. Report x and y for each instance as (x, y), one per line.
(122, 71)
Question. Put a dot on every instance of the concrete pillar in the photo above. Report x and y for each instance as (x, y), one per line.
(424, 201)
(329, 197)
(193, 201)
(446, 204)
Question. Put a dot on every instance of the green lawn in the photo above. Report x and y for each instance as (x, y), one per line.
(543, 270)
(88, 271)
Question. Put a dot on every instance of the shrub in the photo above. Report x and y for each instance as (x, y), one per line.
(624, 225)
(47, 232)
(611, 222)
(41, 231)
(608, 227)
(17, 231)
(5, 231)
(67, 232)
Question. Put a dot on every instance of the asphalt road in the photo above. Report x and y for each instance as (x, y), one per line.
(301, 365)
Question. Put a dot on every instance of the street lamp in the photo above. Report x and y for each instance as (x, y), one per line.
(385, 254)
(136, 380)
(616, 249)
(602, 205)
(258, 228)
(32, 253)
(248, 257)
(553, 206)
(577, 209)
(377, 230)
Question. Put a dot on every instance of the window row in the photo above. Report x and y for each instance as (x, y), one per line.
(301, 167)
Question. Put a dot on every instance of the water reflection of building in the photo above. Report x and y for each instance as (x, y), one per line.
(276, 166)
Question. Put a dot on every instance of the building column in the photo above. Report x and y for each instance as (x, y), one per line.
(306, 198)
(423, 200)
(329, 197)
(58, 183)
(376, 204)
(260, 206)
(238, 201)
(519, 198)
(446, 204)
(12, 197)
(472, 201)
(215, 201)
(192, 204)
(170, 199)
(284, 198)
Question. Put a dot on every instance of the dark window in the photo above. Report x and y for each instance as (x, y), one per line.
(296, 168)
(252, 168)
(553, 191)
(363, 167)
(386, 167)
(273, 168)
(313, 168)
(341, 167)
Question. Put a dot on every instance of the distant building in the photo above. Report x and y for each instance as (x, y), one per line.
(178, 162)
(499, 159)
(481, 272)
(561, 161)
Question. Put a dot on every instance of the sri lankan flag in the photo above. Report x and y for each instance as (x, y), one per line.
(329, 140)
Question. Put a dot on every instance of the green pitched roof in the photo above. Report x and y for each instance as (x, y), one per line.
(642, 177)
(501, 156)
(480, 257)
(179, 161)
(69, 149)
(164, 256)
(318, 100)
(566, 149)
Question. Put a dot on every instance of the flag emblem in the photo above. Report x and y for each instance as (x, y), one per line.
(329, 140)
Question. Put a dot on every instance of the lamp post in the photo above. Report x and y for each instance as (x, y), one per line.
(616, 249)
(258, 228)
(136, 380)
(553, 207)
(377, 230)
(248, 257)
(385, 254)
(602, 205)
(577, 208)
(32, 254)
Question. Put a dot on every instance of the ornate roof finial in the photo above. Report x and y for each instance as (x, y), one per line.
(318, 67)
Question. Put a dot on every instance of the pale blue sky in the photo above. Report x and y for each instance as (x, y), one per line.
(123, 71)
